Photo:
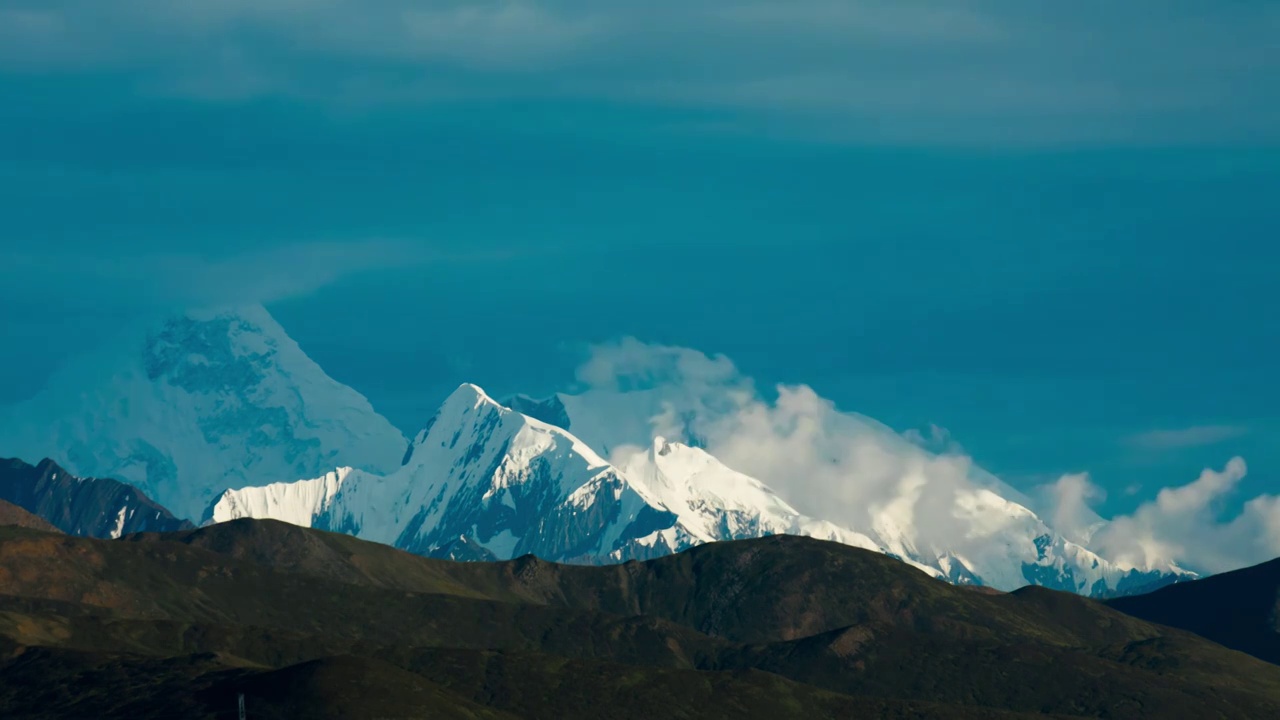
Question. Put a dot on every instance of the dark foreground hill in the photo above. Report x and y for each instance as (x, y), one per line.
(1239, 609)
(312, 624)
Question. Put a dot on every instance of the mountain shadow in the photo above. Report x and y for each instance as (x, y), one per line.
(1239, 609)
(89, 507)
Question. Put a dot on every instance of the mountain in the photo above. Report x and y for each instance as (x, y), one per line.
(313, 624)
(549, 410)
(713, 503)
(482, 481)
(1014, 547)
(208, 402)
(485, 482)
(11, 514)
(999, 541)
(90, 507)
(1239, 609)
(201, 402)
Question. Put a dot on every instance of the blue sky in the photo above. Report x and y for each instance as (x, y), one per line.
(1050, 231)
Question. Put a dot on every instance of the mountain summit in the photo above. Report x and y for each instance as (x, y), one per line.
(200, 403)
(480, 481)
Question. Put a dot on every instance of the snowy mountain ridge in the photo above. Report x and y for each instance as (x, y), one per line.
(494, 479)
(479, 473)
(482, 481)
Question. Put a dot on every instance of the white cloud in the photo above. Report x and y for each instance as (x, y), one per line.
(855, 471)
(935, 439)
(630, 364)
(196, 279)
(863, 70)
(828, 463)
(1182, 525)
(1067, 506)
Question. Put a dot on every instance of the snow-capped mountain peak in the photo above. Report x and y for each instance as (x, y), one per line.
(484, 481)
(469, 412)
(502, 482)
(483, 478)
(198, 403)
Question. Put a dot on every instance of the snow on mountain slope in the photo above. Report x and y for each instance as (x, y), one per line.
(716, 503)
(486, 481)
(204, 402)
(482, 475)
(510, 484)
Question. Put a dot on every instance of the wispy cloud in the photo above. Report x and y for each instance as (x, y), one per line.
(188, 279)
(935, 439)
(864, 70)
(1198, 436)
(1067, 506)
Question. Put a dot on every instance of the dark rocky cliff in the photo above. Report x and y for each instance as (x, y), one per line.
(89, 507)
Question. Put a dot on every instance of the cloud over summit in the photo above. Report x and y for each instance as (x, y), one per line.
(852, 469)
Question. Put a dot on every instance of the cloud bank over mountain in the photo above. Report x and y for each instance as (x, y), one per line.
(854, 470)
(1187, 522)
